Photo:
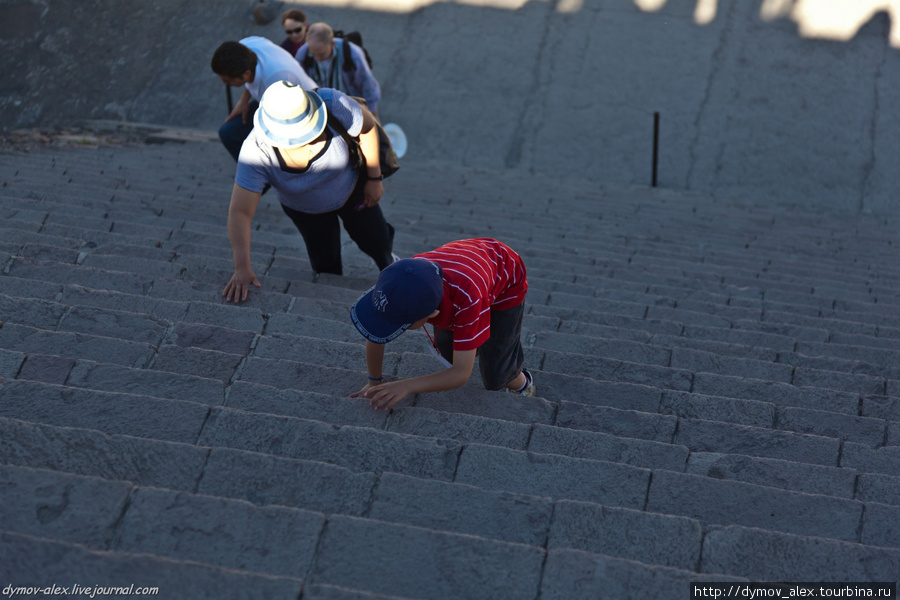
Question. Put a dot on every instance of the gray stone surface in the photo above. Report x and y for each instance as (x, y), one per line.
(60, 506)
(449, 507)
(577, 574)
(878, 488)
(46, 369)
(60, 562)
(624, 533)
(713, 408)
(866, 459)
(113, 378)
(232, 534)
(436, 564)
(87, 452)
(769, 472)
(623, 423)
(553, 476)
(881, 525)
(600, 446)
(109, 412)
(262, 479)
(708, 436)
(359, 449)
(724, 502)
(755, 554)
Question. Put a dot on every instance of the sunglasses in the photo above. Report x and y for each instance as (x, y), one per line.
(293, 31)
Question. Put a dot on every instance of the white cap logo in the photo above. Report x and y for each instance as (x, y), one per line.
(379, 300)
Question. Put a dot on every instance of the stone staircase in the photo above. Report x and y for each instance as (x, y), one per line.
(719, 393)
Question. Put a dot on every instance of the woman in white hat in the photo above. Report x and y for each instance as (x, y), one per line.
(308, 163)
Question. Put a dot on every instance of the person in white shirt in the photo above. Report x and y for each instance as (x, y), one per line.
(255, 63)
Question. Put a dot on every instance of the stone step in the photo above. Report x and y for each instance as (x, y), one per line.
(126, 573)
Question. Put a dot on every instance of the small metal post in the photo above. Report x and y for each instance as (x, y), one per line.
(655, 145)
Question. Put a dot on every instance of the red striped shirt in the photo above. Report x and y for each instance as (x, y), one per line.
(480, 275)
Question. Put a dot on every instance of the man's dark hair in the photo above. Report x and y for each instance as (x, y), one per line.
(295, 14)
(232, 59)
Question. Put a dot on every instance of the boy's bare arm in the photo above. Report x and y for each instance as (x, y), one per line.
(386, 395)
(374, 366)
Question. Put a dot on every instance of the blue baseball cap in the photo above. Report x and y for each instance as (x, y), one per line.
(405, 292)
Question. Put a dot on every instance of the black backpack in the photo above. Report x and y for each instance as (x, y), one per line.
(351, 36)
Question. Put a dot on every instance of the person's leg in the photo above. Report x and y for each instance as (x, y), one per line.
(367, 227)
(322, 236)
(234, 132)
(500, 359)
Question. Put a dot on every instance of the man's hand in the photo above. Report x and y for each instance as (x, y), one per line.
(373, 192)
(239, 285)
(242, 107)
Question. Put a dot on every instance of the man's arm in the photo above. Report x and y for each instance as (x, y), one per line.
(386, 395)
(242, 107)
(240, 217)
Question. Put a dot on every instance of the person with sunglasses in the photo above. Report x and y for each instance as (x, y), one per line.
(295, 25)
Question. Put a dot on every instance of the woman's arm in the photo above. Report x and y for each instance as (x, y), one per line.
(240, 217)
(369, 146)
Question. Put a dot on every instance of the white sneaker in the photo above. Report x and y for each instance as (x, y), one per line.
(529, 389)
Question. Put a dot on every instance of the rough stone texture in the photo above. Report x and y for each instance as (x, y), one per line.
(622, 423)
(113, 378)
(437, 564)
(878, 488)
(543, 475)
(576, 574)
(623, 533)
(758, 554)
(784, 474)
(113, 413)
(709, 436)
(84, 452)
(449, 507)
(599, 446)
(459, 427)
(722, 502)
(46, 369)
(882, 525)
(60, 506)
(61, 562)
(871, 460)
(859, 429)
(263, 479)
(360, 449)
(712, 408)
(232, 534)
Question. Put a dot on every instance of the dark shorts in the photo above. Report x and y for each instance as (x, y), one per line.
(501, 357)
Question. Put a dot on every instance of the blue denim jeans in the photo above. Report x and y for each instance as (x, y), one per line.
(234, 132)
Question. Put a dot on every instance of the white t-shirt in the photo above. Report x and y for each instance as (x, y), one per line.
(326, 182)
(273, 64)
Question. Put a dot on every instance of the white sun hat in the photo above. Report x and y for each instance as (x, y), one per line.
(397, 137)
(290, 116)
